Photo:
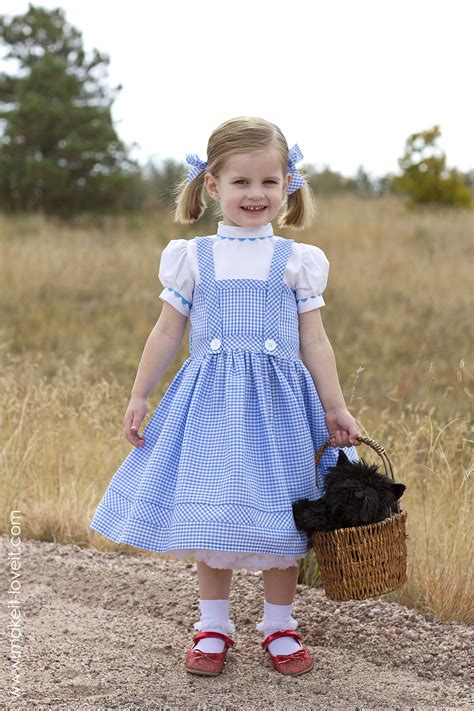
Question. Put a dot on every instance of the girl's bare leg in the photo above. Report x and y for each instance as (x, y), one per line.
(214, 584)
(280, 585)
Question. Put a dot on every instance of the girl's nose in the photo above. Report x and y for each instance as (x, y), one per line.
(255, 193)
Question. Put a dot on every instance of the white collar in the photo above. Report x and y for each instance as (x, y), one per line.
(237, 232)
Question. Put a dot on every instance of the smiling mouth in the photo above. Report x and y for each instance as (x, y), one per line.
(260, 208)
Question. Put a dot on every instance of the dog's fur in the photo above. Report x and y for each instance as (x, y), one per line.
(356, 494)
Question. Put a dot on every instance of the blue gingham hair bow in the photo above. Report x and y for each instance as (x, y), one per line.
(198, 165)
(297, 180)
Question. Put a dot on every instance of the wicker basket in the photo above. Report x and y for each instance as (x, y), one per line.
(363, 561)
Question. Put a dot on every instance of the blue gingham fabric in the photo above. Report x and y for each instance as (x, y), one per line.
(232, 443)
(297, 180)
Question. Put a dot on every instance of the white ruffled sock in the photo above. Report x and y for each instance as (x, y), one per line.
(276, 618)
(215, 618)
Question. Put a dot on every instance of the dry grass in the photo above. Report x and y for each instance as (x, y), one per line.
(78, 303)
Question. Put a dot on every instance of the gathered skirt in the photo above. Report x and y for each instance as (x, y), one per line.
(227, 451)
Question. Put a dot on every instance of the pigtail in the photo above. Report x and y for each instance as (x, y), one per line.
(189, 199)
(300, 208)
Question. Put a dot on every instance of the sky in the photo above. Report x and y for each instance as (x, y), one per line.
(348, 81)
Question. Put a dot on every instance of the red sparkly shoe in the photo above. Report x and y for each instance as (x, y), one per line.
(207, 663)
(297, 663)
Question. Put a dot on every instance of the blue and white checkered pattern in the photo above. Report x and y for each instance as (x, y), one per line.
(232, 443)
(198, 166)
(297, 180)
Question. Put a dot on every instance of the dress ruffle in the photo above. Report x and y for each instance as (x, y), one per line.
(236, 560)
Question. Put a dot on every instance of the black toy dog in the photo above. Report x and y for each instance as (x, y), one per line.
(355, 494)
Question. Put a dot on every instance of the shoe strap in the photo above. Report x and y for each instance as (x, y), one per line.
(283, 633)
(224, 637)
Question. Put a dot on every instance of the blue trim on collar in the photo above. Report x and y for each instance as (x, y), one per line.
(245, 239)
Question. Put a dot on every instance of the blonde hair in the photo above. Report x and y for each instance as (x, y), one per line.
(244, 134)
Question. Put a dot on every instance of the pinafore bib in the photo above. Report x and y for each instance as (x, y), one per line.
(231, 445)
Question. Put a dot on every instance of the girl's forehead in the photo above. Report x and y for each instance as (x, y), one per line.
(265, 161)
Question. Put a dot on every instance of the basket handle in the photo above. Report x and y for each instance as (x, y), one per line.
(365, 440)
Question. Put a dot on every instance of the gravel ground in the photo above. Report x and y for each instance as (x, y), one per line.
(110, 631)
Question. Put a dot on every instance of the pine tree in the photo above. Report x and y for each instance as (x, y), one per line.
(59, 151)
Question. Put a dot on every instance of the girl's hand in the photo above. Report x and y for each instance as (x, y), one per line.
(342, 428)
(134, 416)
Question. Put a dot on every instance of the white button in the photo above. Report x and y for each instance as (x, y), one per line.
(215, 344)
(270, 344)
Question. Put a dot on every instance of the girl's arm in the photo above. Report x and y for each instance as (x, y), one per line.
(161, 347)
(318, 356)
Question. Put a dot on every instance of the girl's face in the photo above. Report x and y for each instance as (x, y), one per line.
(249, 180)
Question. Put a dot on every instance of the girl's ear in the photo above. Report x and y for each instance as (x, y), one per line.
(286, 182)
(210, 184)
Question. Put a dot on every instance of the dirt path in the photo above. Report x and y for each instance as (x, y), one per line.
(109, 631)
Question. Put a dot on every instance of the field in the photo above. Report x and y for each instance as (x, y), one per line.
(79, 301)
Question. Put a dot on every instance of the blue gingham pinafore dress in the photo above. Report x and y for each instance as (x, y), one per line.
(232, 443)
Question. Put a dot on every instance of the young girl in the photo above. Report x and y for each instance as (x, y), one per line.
(231, 445)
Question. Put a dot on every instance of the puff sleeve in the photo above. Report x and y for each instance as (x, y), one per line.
(312, 278)
(175, 275)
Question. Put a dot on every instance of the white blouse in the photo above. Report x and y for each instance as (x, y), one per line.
(242, 253)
